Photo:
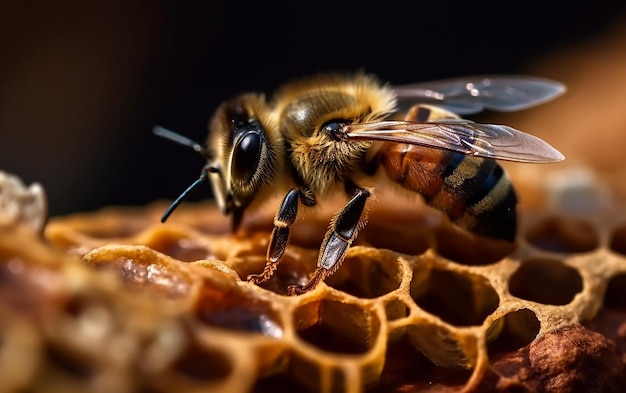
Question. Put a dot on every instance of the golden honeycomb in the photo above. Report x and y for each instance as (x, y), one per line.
(115, 301)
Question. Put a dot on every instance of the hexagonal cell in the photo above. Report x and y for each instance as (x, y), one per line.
(143, 268)
(459, 299)
(409, 370)
(340, 335)
(180, 247)
(444, 345)
(563, 234)
(511, 332)
(290, 271)
(466, 248)
(336, 326)
(615, 295)
(203, 364)
(394, 228)
(369, 274)
(611, 319)
(618, 240)
(545, 281)
(235, 310)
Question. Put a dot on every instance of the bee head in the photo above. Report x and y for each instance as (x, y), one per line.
(241, 155)
(244, 145)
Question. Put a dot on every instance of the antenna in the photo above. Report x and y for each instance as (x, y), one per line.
(183, 140)
(180, 139)
(194, 186)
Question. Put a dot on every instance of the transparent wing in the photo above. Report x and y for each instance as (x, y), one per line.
(484, 140)
(472, 94)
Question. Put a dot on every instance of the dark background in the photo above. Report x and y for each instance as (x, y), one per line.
(83, 83)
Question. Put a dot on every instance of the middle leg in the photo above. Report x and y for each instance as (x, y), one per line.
(344, 228)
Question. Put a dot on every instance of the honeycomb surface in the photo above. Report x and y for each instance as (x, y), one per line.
(115, 301)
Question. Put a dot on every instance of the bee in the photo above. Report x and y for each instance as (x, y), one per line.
(330, 132)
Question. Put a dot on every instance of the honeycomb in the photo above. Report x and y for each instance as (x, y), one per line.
(115, 301)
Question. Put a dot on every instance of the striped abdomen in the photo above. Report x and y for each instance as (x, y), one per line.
(474, 192)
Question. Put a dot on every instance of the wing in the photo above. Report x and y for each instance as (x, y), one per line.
(484, 140)
(472, 94)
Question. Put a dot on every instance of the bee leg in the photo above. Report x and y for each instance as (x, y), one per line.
(285, 216)
(344, 228)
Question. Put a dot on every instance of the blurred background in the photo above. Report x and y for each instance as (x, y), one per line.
(83, 83)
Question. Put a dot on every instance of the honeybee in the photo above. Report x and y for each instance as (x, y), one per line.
(332, 131)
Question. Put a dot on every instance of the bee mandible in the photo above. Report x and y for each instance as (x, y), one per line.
(330, 131)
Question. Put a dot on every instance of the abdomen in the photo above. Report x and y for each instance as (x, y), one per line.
(474, 192)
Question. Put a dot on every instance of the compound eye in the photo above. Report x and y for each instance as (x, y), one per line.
(246, 156)
(333, 128)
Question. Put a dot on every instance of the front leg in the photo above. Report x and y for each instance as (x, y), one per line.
(286, 215)
(344, 228)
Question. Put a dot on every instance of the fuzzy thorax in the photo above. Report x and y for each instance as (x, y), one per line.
(323, 162)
